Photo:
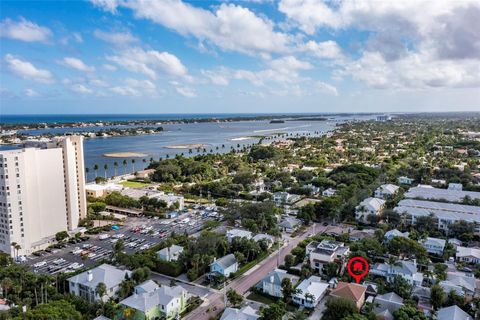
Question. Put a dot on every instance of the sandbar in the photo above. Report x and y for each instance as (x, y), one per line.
(125, 155)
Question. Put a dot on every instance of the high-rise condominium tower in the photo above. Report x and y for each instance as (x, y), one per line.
(42, 192)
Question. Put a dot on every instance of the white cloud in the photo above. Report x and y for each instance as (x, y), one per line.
(81, 89)
(109, 67)
(229, 27)
(149, 62)
(115, 38)
(107, 5)
(27, 70)
(326, 49)
(186, 92)
(24, 30)
(219, 77)
(326, 88)
(31, 93)
(76, 64)
(134, 87)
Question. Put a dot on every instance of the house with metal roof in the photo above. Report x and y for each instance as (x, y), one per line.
(238, 233)
(156, 302)
(369, 206)
(389, 235)
(453, 313)
(449, 195)
(386, 191)
(386, 304)
(224, 266)
(464, 284)
(84, 284)
(433, 245)
(289, 224)
(170, 253)
(468, 255)
(245, 313)
(403, 268)
(310, 292)
(271, 284)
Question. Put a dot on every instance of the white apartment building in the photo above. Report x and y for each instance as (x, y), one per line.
(41, 193)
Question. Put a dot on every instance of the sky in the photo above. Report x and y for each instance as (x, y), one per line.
(178, 56)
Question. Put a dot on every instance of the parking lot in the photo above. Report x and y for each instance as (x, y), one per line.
(137, 234)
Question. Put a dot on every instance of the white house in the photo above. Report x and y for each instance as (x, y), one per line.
(246, 313)
(405, 180)
(238, 233)
(369, 206)
(469, 255)
(389, 235)
(225, 265)
(84, 284)
(310, 292)
(403, 268)
(464, 284)
(386, 304)
(282, 198)
(153, 301)
(453, 313)
(289, 224)
(330, 192)
(170, 253)
(386, 191)
(320, 254)
(433, 245)
(271, 284)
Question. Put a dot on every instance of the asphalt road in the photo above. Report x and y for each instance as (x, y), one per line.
(215, 302)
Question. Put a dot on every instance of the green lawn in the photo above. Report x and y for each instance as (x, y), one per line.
(134, 184)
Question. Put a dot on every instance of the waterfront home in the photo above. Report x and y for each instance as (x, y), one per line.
(453, 313)
(327, 251)
(386, 304)
(245, 313)
(271, 284)
(330, 192)
(389, 235)
(403, 268)
(224, 266)
(405, 180)
(310, 291)
(238, 233)
(433, 245)
(386, 191)
(468, 255)
(157, 302)
(85, 284)
(170, 253)
(289, 224)
(369, 206)
(350, 291)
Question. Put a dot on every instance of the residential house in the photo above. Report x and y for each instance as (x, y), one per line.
(468, 255)
(403, 268)
(144, 174)
(289, 224)
(310, 292)
(246, 313)
(85, 284)
(386, 191)
(453, 313)
(386, 304)
(238, 233)
(405, 180)
(369, 206)
(433, 245)
(455, 242)
(357, 235)
(389, 235)
(430, 193)
(330, 192)
(464, 284)
(224, 266)
(264, 237)
(350, 291)
(170, 253)
(327, 251)
(153, 302)
(271, 284)
(284, 198)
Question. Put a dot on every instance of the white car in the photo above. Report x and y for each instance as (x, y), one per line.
(76, 266)
(104, 236)
(59, 261)
(39, 264)
(92, 255)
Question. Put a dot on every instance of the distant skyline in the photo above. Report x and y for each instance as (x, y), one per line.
(252, 56)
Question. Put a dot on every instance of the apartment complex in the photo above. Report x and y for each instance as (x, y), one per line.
(42, 192)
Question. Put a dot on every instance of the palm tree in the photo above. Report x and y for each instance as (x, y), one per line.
(115, 166)
(95, 168)
(16, 247)
(128, 313)
(133, 165)
(87, 170)
(105, 168)
(125, 165)
(101, 291)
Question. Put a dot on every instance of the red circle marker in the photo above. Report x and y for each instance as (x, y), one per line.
(357, 268)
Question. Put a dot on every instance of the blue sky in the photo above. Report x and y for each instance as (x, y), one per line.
(172, 56)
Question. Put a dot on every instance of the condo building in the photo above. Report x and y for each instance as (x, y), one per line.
(42, 192)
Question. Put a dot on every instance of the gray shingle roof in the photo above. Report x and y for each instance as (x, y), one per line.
(226, 261)
(453, 313)
(105, 273)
